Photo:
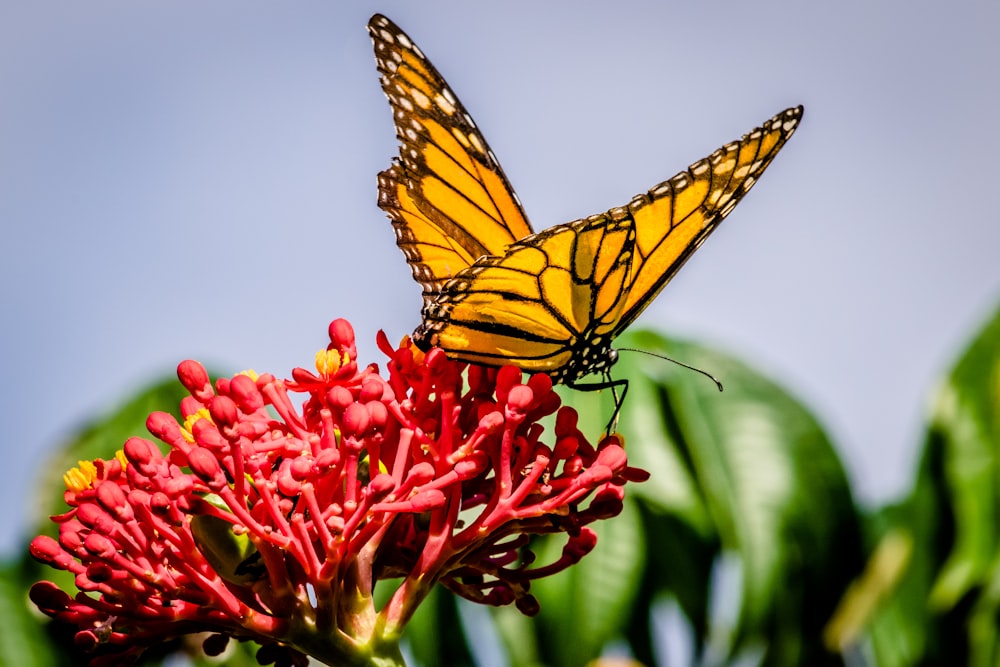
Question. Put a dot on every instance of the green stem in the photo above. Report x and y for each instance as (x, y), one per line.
(337, 651)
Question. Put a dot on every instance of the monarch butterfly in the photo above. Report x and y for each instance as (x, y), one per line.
(496, 293)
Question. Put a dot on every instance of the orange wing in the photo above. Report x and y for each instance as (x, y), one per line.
(674, 218)
(549, 304)
(446, 195)
(494, 293)
(555, 300)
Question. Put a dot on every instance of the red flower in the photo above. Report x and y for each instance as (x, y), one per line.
(277, 528)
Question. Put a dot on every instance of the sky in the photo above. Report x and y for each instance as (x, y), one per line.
(197, 180)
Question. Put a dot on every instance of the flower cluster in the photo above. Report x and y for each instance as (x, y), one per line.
(269, 522)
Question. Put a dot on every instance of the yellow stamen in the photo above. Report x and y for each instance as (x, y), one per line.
(83, 476)
(80, 478)
(191, 421)
(329, 362)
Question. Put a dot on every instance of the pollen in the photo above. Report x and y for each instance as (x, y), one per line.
(81, 478)
(191, 420)
(329, 362)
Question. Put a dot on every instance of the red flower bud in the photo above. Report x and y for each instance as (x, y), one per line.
(142, 452)
(356, 420)
(371, 389)
(341, 333)
(100, 546)
(378, 415)
(45, 549)
(244, 391)
(520, 398)
(381, 486)
(112, 498)
(48, 597)
(163, 426)
(204, 464)
(339, 397)
(224, 411)
(95, 518)
(195, 379)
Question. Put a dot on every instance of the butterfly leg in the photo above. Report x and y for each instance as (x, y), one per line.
(608, 383)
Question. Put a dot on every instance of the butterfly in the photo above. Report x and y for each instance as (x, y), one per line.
(495, 292)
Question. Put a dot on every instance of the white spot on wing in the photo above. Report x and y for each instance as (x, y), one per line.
(447, 107)
(474, 140)
(661, 190)
(421, 100)
(460, 137)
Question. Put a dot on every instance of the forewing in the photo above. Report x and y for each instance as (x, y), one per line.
(447, 196)
(675, 217)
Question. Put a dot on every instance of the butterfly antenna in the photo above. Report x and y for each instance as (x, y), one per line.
(674, 361)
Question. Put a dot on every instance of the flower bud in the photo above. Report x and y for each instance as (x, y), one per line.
(204, 464)
(224, 411)
(244, 391)
(195, 379)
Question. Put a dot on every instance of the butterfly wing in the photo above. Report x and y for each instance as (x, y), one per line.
(449, 201)
(534, 305)
(674, 218)
(555, 300)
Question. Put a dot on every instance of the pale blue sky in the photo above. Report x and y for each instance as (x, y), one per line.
(197, 180)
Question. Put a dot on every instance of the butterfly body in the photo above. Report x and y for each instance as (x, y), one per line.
(488, 312)
(496, 293)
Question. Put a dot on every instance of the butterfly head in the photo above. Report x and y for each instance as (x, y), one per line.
(589, 355)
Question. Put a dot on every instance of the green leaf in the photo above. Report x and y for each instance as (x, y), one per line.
(879, 601)
(23, 639)
(434, 634)
(679, 566)
(905, 629)
(946, 606)
(519, 635)
(752, 466)
(599, 591)
(966, 425)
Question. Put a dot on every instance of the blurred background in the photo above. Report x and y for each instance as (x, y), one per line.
(197, 180)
